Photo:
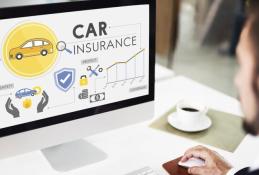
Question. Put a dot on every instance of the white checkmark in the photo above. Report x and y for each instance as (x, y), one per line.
(65, 79)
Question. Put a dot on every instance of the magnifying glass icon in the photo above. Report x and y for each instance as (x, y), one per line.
(61, 46)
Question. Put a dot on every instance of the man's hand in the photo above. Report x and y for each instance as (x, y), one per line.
(214, 163)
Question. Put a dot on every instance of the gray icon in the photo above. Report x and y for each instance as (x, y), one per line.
(43, 102)
(62, 46)
(97, 97)
(83, 95)
(11, 109)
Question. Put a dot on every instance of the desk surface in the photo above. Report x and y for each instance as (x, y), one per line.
(136, 146)
(163, 73)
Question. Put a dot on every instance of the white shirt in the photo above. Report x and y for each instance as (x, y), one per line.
(255, 166)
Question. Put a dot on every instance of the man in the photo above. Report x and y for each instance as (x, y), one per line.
(247, 81)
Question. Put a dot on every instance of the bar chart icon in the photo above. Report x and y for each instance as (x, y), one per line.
(131, 69)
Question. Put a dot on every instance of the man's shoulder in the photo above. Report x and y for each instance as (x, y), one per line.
(256, 172)
(245, 171)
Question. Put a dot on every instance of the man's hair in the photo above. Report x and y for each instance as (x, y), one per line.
(253, 21)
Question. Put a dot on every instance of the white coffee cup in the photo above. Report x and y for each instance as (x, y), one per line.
(190, 113)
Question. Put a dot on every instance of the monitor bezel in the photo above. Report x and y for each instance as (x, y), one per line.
(44, 9)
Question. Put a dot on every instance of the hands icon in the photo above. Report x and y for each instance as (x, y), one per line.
(43, 102)
(11, 109)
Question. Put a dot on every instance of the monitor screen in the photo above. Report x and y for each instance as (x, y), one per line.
(58, 66)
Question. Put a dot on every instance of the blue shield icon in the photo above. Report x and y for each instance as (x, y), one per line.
(65, 78)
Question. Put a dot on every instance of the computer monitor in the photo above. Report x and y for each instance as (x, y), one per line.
(71, 70)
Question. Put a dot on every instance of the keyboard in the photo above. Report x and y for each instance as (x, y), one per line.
(143, 171)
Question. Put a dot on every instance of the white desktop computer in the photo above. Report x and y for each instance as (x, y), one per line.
(71, 70)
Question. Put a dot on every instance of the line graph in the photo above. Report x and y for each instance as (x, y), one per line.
(131, 69)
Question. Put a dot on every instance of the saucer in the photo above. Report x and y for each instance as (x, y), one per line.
(205, 123)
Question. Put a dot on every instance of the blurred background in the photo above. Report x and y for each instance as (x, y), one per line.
(195, 38)
(203, 35)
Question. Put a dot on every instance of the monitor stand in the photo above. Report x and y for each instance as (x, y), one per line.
(73, 155)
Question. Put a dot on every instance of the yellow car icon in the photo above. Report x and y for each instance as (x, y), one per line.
(32, 47)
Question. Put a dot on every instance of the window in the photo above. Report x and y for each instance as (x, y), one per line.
(28, 45)
(45, 43)
(38, 43)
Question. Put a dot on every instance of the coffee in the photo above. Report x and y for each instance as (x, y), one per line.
(190, 109)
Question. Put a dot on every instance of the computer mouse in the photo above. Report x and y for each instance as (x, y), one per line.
(192, 162)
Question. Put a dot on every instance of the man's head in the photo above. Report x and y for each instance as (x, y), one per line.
(247, 79)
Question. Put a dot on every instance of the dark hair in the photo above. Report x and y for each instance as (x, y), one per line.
(253, 22)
